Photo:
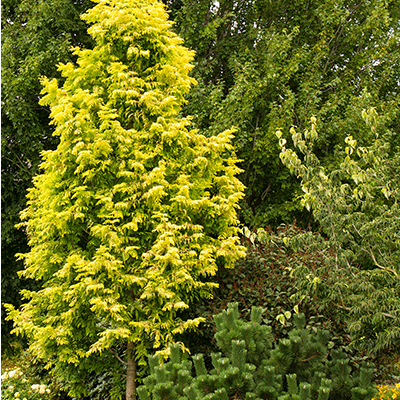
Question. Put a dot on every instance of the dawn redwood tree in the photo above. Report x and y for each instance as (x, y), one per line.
(133, 211)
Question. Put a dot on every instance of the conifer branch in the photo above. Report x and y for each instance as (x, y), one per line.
(118, 357)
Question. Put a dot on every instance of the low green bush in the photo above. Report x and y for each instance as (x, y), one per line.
(252, 364)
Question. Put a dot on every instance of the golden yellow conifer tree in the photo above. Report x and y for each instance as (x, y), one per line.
(133, 210)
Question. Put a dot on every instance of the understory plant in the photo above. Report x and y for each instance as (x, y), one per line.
(251, 364)
(388, 392)
(15, 384)
(267, 277)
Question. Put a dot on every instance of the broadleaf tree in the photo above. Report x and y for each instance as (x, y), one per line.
(133, 211)
(357, 207)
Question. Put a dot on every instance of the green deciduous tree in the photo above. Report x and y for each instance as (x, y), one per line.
(133, 211)
(357, 206)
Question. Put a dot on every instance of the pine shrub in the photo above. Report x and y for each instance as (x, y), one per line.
(252, 364)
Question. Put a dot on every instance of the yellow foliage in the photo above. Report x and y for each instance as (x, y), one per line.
(388, 392)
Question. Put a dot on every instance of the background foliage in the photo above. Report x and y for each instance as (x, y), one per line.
(263, 65)
(260, 65)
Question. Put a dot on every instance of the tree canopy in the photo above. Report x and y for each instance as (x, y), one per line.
(264, 65)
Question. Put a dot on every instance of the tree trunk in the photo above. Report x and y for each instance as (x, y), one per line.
(130, 373)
